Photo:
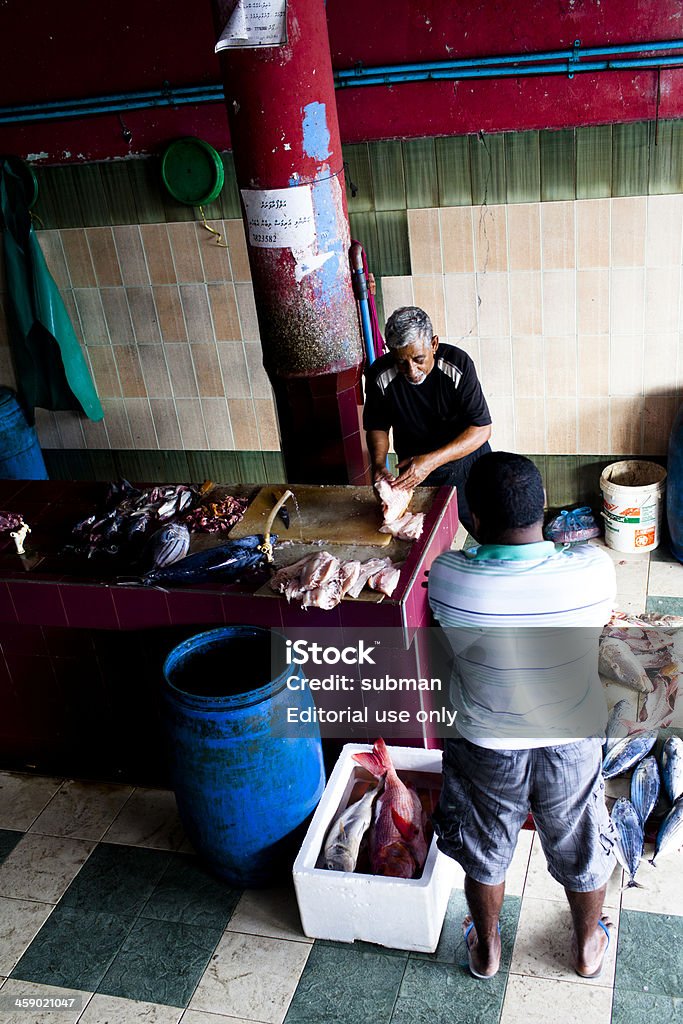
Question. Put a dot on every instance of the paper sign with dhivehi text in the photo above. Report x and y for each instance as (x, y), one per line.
(254, 23)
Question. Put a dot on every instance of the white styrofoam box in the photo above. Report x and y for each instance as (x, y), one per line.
(402, 913)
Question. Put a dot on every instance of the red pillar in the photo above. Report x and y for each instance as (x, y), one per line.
(285, 135)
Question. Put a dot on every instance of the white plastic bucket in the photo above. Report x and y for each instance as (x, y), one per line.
(632, 504)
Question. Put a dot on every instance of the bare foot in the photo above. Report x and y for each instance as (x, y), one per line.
(591, 963)
(483, 963)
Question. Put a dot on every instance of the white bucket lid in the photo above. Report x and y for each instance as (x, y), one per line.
(633, 473)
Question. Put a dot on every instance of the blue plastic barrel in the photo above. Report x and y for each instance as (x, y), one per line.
(20, 454)
(243, 794)
(674, 494)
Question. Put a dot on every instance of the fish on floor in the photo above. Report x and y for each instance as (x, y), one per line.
(617, 661)
(628, 847)
(342, 844)
(627, 753)
(670, 835)
(672, 767)
(645, 788)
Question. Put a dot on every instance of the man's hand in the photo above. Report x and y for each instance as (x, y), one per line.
(382, 473)
(414, 471)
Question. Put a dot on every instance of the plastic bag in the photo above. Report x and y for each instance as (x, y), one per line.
(575, 525)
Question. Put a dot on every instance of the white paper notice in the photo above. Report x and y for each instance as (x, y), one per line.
(255, 23)
(280, 218)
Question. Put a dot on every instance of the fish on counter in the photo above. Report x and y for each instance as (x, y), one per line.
(216, 516)
(672, 767)
(386, 580)
(630, 838)
(408, 527)
(221, 564)
(321, 580)
(645, 788)
(344, 838)
(398, 847)
(167, 545)
(398, 521)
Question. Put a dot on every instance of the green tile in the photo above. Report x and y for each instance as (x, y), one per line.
(116, 880)
(221, 467)
(164, 467)
(8, 840)
(364, 947)
(230, 196)
(212, 211)
(666, 158)
(45, 207)
(558, 165)
(594, 162)
(60, 186)
(379, 306)
(146, 184)
(419, 163)
(364, 230)
(644, 1008)
(665, 605)
(274, 467)
(649, 953)
(160, 962)
(252, 469)
(346, 986)
(91, 195)
(188, 894)
(67, 464)
(388, 175)
(523, 167)
(487, 163)
(451, 947)
(357, 172)
(118, 193)
(175, 211)
(73, 949)
(103, 464)
(394, 247)
(453, 171)
(560, 479)
(630, 158)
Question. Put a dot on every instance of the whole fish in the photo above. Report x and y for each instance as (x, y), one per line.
(168, 545)
(344, 837)
(629, 843)
(670, 835)
(397, 843)
(222, 563)
(672, 767)
(645, 788)
(616, 728)
(617, 661)
(628, 752)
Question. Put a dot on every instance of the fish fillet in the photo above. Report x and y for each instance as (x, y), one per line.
(395, 500)
(367, 569)
(348, 574)
(386, 580)
(408, 527)
(318, 570)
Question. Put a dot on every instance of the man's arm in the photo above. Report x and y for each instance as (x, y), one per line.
(378, 446)
(418, 467)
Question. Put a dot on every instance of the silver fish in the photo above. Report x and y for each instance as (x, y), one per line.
(628, 752)
(629, 844)
(670, 835)
(344, 838)
(645, 788)
(616, 728)
(672, 767)
(168, 545)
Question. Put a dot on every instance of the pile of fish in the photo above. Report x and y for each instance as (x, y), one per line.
(398, 521)
(392, 817)
(10, 521)
(216, 516)
(224, 563)
(322, 580)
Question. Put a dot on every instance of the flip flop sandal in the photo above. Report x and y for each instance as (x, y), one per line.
(475, 974)
(596, 974)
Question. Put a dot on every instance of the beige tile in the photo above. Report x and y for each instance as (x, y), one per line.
(69, 429)
(42, 867)
(593, 425)
(166, 423)
(14, 990)
(561, 366)
(561, 426)
(461, 305)
(469, 345)
(198, 320)
(425, 241)
(217, 423)
(515, 879)
(662, 294)
(95, 433)
(170, 313)
(243, 420)
(191, 422)
(490, 239)
(659, 364)
(269, 912)
(457, 239)
(91, 315)
(559, 302)
(239, 257)
(541, 885)
(116, 422)
(181, 371)
(429, 295)
(627, 301)
(526, 307)
(149, 818)
(117, 315)
(223, 305)
(246, 307)
(628, 231)
(593, 233)
(185, 250)
(659, 414)
(661, 892)
(81, 810)
(53, 251)
(524, 236)
(141, 423)
(663, 240)
(144, 316)
(207, 370)
(503, 422)
(130, 371)
(20, 920)
(557, 235)
(665, 579)
(530, 999)
(115, 1010)
(495, 366)
(592, 301)
(131, 255)
(69, 299)
(260, 384)
(24, 797)
(626, 420)
(155, 371)
(397, 292)
(528, 362)
(593, 364)
(199, 1017)
(543, 945)
(104, 256)
(267, 421)
(494, 305)
(157, 249)
(236, 377)
(626, 365)
(48, 435)
(215, 258)
(78, 258)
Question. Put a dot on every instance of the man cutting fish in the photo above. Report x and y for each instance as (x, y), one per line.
(530, 710)
(429, 393)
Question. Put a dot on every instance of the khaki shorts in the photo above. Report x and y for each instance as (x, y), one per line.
(487, 794)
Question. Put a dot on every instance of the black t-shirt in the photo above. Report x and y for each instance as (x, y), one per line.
(425, 416)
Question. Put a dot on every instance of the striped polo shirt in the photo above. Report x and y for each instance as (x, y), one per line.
(523, 621)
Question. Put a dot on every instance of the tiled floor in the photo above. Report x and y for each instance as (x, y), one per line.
(103, 903)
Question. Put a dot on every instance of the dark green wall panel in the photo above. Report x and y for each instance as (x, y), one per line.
(523, 167)
(358, 175)
(558, 165)
(419, 162)
(487, 162)
(388, 175)
(594, 161)
(630, 159)
(453, 171)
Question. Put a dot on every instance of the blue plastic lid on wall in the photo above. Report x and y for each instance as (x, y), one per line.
(192, 171)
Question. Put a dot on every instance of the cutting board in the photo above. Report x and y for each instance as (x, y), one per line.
(333, 514)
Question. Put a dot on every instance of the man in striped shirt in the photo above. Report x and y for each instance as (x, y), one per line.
(430, 395)
(523, 617)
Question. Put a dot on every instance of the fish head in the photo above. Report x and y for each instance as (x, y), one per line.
(394, 860)
(339, 858)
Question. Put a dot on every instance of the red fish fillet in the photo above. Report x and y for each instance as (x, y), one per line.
(395, 500)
